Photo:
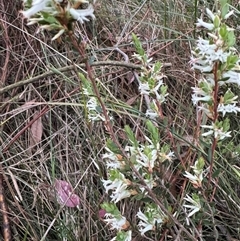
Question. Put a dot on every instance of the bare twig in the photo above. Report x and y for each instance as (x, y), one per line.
(72, 67)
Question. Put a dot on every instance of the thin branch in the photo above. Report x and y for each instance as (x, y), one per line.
(72, 67)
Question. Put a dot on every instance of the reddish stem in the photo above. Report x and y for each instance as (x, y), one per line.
(215, 118)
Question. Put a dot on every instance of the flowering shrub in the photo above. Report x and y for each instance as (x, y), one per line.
(139, 157)
(132, 167)
(217, 60)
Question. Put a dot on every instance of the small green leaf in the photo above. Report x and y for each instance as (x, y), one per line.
(231, 61)
(153, 131)
(157, 67)
(138, 45)
(224, 10)
(223, 31)
(113, 147)
(229, 97)
(131, 135)
(49, 18)
(200, 164)
(231, 39)
(216, 21)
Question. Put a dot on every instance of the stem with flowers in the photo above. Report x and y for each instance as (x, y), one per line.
(217, 61)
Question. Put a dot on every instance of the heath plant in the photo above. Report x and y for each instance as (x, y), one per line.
(132, 168)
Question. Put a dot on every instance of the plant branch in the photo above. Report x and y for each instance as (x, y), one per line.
(72, 67)
(215, 118)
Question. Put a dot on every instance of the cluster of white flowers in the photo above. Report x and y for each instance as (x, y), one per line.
(146, 155)
(150, 81)
(144, 159)
(217, 60)
(118, 184)
(116, 221)
(152, 215)
(56, 14)
(218, 131)
(94, 110)
(194, 205)
(158, 92)
(197, 178)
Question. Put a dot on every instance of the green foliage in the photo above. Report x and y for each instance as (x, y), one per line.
(154, 133)
(224, 8)
(131, 136)
(138, 45)
(111, 208)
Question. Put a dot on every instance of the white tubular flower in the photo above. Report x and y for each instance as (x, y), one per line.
(120, 193)
(94, 114)
(144, 88)
(82, 14)
(92, 104)
(229, 14)
(233, 76)
(202, 68)
(196, 180)
(228, 108)
(160, 83)
(118, 186)
(196, 99)
(169, 156)
(150, 218)
(204, 47)
(86, 92)
(151, 114)
(221, 134)
(34, 20)
(58, 34)
(149, 181)
(218, 133)
(218, 55)
(37, 6)
(201, 23)
(204, 108)
(148, 161)
(210, 14)
(199, 91)
(129, 236)
(161, 98)
(195, 204)
(109, 185)
(145, 224)
(113, 160)
(115, 222)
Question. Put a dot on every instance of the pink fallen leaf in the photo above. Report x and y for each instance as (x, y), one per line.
(101, 213)
(65, 195)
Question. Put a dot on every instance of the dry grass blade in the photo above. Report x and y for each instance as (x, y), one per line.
(36, 130)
